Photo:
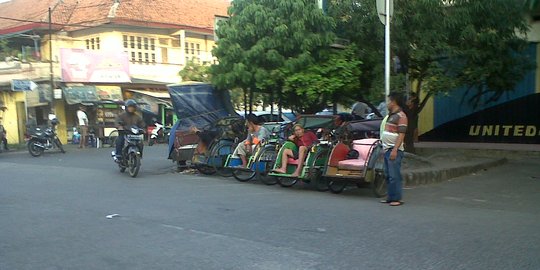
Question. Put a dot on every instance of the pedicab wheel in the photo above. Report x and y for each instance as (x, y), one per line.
(220, 168)
(244, 174)
(206, 170)
(378, 185)
(337, 186)
(267, 179)
(267, 156)
(319, 182)
(287, 181)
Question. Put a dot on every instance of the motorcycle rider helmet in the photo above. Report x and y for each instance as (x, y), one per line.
(131, 103)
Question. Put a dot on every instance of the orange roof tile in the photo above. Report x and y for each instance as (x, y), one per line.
(75, 13)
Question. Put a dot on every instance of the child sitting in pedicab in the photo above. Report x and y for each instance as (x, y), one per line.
(303, 140)
(256, 134)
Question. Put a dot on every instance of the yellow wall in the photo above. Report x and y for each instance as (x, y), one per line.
(61, 129)
(11, 120)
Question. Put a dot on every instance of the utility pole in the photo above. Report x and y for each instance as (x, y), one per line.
(387, 49)
(51, 70)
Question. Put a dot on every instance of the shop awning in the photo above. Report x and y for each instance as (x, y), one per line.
(150, 100)
(155, 94)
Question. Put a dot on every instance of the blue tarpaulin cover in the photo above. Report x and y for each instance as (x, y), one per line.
(199, 105)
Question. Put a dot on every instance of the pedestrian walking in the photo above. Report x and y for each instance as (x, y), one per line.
(392, 136)
(83, 126)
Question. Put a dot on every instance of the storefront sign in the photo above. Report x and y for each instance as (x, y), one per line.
(113, 93)
(80, 94)
(79, 65)
(23, 85)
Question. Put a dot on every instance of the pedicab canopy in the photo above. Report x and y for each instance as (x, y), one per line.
(199, 104)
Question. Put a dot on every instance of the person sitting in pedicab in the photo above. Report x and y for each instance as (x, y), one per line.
(303, 140)
(256, 133)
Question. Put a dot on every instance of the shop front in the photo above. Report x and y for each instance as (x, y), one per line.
(101, 103)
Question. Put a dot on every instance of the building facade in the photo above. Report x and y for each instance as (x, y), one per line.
(156, 38)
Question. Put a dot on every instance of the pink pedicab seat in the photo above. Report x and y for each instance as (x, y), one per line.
(292, 161)
(363, 147)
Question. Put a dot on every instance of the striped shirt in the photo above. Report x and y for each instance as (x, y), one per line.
(395, 124)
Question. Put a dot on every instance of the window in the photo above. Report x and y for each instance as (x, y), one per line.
(142, 49)
(93, 43)
(193, 52)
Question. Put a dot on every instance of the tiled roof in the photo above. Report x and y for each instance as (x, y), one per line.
(74, 13)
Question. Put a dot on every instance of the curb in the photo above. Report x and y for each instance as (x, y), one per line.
(437, 175)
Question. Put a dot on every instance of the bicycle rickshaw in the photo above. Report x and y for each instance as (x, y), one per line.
(261, 162)
(316, 158)
(210, 156)
(359, 161)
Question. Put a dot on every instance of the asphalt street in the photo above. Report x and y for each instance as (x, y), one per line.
(53, 216)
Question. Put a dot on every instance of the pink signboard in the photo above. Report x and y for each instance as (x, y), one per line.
(80, 65)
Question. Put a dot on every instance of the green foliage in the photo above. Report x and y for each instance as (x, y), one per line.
(265, 41)
(478, 44)
(195, 72)
(334, 78)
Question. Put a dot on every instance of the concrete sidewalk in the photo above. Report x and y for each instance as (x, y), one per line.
(445, 160)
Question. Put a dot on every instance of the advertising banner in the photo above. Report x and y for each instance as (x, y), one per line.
(80, 65)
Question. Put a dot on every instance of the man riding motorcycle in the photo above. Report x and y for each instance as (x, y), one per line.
(125, 121)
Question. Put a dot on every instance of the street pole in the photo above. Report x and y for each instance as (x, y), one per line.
(51, 71)
(387, 50)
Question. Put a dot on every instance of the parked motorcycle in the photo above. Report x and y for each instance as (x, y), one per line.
(160, 134)
(131, 151)
(41, 140)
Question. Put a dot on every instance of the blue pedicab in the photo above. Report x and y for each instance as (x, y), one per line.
(316, 158)
(226, 133)
(261, 162)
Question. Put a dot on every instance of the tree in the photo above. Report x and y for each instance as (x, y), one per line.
(334, 78)
(195, 72)
(265, 41)
(445, 45)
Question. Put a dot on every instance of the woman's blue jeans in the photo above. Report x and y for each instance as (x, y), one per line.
(394, 182)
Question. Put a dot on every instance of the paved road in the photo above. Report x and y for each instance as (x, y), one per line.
(53, 208)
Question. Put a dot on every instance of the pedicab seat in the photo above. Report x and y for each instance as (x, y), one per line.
(292, 161)
(363, 147)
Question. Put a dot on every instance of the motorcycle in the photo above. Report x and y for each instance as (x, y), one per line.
(131, 151)
(160, 134)
(40, 140)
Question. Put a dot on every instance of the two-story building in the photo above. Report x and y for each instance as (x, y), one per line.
(147, 41)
